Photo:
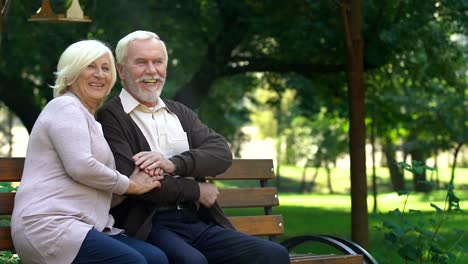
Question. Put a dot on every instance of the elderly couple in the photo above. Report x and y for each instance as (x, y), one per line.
(124, 183)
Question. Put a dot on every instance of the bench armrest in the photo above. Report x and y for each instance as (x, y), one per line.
(341, 244)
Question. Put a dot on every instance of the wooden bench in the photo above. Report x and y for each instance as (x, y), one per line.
(264, 223)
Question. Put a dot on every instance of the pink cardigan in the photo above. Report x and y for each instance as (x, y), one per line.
(68, 180)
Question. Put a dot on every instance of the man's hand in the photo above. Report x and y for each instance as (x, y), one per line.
(154, 163)
(208, 194)
(140, 182)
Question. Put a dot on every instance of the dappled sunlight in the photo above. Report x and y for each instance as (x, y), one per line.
(418, 201)
(326, 202)
(20, 135)
(386, 202)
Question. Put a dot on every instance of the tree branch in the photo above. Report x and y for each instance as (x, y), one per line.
(4, 12)
(242, 65)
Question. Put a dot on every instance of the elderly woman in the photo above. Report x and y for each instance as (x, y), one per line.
(61, 212)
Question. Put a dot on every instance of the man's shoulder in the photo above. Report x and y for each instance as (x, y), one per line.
(112, 108)
(175, 106)
(112, 104)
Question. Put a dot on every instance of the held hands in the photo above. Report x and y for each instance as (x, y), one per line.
(208, 194)
(154, 163)
(140, 182)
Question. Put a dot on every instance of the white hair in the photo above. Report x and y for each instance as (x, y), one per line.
(75, 59)
(122, 46)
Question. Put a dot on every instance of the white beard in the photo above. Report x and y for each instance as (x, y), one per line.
(142, 95)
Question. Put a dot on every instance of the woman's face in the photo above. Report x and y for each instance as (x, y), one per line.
(94, 83)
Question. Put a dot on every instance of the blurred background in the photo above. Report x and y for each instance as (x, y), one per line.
(271, 76)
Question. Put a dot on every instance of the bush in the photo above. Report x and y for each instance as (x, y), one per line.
(420, 240)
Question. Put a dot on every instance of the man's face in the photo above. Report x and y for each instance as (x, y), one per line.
(144, 70)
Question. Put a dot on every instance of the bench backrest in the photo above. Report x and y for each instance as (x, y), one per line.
(260, 196)
(11, 170)
(258, 172)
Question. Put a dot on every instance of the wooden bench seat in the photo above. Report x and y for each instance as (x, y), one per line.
(264, 224)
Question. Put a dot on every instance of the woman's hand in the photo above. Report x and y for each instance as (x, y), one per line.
(141, 182)
(154, 163)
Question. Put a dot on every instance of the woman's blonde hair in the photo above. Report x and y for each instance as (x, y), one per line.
(75, 59)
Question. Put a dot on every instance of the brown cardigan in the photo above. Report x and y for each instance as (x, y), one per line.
(209, 155)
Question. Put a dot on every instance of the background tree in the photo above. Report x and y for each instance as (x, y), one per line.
(319, 142)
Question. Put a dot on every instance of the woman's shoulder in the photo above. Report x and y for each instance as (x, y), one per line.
(63, 101)
(62, 108)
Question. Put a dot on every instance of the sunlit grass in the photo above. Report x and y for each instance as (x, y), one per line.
(291, 176)
(385, 202)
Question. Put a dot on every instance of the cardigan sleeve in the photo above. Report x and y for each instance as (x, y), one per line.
(124, 142)
(209, 153)
(70, 135)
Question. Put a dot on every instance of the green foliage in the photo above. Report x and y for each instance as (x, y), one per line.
(420, 239)
(416, 167)
(7, 187)
(413, 76)
(6, 257)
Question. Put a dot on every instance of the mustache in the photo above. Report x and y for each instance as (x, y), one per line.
(150, 77)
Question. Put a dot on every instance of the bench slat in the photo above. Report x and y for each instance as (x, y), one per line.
(248, 197)
(5, 239)
(260, 225)
(6, 203)
(244, 169)
(11, 169)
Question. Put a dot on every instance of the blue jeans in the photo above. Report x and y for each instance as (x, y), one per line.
(118, 249)
(186, 239)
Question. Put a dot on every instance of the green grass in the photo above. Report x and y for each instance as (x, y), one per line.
(324, 213)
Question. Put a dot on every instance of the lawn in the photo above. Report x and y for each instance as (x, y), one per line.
(323, 213)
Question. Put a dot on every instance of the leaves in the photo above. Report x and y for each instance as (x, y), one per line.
(409, 252)
(438, 209)
(67, 4)
(420, 240)
(7, 257)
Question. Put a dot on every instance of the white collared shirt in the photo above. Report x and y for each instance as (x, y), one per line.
(161, 127)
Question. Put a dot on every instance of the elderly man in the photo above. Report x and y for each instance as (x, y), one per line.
(163, 136)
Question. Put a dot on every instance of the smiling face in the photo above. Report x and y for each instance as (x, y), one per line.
(94, 83)
(144, 70)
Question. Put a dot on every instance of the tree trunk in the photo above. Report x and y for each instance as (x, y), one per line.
(420, 179)
(435, 173)
(4, 9)
(279, 134)
(1, 23)
(26, 107)
(329, 181)
(302, 186)
(278, 161)
(314, 178)
(10, 120)
(396, 174)
(352, 24)
(193, 93)
(374, 176)
(454, 165)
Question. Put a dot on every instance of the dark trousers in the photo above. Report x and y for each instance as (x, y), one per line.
(118, 249)
(186, 239)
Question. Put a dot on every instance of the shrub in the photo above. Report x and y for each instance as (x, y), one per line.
(420, 240)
